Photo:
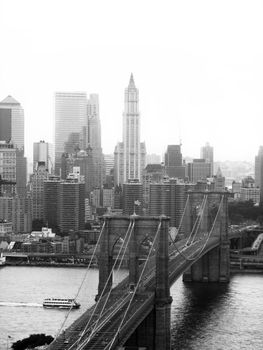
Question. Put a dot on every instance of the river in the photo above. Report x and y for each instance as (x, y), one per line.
(226, 316)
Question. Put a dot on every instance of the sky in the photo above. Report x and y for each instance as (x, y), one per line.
(198, 66)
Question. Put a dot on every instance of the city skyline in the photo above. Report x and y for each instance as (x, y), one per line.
(197, 66)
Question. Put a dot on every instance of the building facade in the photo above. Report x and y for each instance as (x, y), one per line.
(70, 117)
(42, 154)
(37, 191)
(173, 162)
(12, 122)
(207, 153)
(199, 169)
(130, 154)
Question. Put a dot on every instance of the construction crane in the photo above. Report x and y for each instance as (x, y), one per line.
(5, 182)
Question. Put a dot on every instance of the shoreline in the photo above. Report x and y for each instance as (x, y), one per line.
(233, 270)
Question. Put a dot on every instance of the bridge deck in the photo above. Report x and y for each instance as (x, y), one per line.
(77, 337)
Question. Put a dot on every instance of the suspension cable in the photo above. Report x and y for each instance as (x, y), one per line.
(120, 263)
(137, 285)
(82, 282)
(199, 219)
(128, 232)
(182, 217)
(188, 242)
(208, 236)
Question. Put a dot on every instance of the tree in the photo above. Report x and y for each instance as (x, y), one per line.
(33, 341)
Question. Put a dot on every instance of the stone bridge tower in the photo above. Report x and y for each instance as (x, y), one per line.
(154, 331)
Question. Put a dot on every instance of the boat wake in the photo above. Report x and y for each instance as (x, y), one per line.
(7, 303)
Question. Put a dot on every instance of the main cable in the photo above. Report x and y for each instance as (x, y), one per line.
(129, 230)
(137, 285)
(82, 282)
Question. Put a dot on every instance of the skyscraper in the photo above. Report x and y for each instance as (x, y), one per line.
(42, 154)
(207, 153)
(12, 134)
(93, 138)
(199, 169)
(174, 162)
(129, 155)
(70, 117)
(12, 122)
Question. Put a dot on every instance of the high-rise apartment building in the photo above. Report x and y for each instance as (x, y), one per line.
(130, 154)
(173, 162)
(207, 153)
(12, 122)
(70, 117)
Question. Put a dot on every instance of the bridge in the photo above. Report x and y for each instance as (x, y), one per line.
(136, 312)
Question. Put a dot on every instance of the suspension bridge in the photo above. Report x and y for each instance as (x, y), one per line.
(136, 312)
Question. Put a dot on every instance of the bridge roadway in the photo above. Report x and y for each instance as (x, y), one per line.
(141, 304)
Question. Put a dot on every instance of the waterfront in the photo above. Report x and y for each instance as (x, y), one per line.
(203, 316)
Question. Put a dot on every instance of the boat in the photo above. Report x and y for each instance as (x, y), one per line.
(60, 303)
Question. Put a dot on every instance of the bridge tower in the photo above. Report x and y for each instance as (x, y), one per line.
(153, 331)
(214, 265)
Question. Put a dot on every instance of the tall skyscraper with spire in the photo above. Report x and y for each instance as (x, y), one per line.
(130, 154)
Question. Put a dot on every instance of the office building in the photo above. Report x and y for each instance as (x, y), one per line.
(42, 155)
(71, 205)
(18, 211)
(173, 162)
(207, 153)
(12, 122)
(70, 117)
(199, 169)
(12, 133)
(109, 163)
(93, 139)
(132, 198)
(64, 203)
(168, 197)
(153, 173)
(37, 191)
(249, 191)
(130, 154)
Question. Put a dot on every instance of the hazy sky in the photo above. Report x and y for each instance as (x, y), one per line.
(198, 66)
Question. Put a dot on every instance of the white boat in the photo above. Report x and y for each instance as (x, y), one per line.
(60, 303)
